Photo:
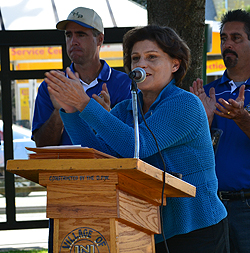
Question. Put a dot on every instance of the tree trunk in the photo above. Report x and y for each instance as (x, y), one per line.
(187, 18)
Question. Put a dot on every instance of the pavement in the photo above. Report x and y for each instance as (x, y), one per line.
(25, 239)
(32, 207)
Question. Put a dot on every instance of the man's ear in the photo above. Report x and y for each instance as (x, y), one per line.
(100, 39)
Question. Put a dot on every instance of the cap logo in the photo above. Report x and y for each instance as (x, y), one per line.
(77, 14)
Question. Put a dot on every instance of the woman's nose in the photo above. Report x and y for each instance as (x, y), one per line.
(142, 63)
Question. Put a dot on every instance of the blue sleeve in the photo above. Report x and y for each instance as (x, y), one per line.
(43, 107)
(116, 132)
(82, 134)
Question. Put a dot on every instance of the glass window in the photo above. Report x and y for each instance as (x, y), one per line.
(2, 180)
(112, 54)
(30, 197)
(2, 193)
(31, 200)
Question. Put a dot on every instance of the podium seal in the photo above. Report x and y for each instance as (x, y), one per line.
(84, 239)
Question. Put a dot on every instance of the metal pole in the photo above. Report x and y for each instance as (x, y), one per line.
(136, 126)
(137, 75)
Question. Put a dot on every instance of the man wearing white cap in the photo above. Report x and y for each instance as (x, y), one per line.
(84, 35)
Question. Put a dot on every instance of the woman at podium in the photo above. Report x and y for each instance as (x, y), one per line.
(179, 123)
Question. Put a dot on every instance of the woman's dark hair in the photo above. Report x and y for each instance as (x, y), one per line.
(166, 38)
(237, 15)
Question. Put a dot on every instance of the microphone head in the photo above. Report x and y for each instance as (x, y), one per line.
(138, 75)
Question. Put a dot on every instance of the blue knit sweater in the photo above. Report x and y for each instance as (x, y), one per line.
(178, 120)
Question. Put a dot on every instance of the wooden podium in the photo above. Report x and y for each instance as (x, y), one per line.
(102, 205)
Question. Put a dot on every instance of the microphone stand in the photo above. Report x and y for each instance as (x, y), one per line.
(135, 116)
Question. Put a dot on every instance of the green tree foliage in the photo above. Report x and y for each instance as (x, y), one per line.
(238, 4)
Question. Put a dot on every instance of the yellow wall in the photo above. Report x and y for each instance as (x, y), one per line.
(215, 44)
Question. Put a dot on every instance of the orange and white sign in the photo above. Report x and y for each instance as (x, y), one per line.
(215, 67)
(35, 53)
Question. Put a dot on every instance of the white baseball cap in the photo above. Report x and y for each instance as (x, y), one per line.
(84, 17)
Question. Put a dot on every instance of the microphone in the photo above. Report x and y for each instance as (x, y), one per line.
(138, 75)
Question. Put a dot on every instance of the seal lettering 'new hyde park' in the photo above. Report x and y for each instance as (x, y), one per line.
(84, 240)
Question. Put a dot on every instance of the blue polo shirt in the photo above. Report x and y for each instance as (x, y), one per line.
(233, 154)
(118, 84)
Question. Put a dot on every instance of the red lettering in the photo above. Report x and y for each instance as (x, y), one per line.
(215, 66)
(57, 51)
(13, 51)
(25, 92)
(52, 50)
(24, 52)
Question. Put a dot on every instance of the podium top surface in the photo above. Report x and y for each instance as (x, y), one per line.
(131, 167)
